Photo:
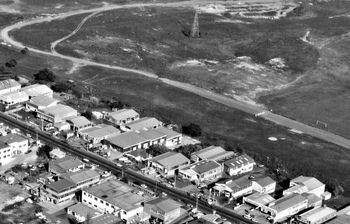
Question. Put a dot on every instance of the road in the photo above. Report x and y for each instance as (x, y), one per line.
(248, 108)
(44, 137)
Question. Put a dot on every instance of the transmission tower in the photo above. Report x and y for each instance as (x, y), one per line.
(195, 27)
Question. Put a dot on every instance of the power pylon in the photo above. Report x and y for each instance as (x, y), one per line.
(195, 27)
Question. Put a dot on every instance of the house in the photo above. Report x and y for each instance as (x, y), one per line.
(66, 187)
(62, 126)
(317, 215)
(12, 99)
(56, 153)
(5, 154)
(259, 200)
(303, 184)
(82, 213)
(123, 116)
(17, 143)
(234, 188)
(173, 138)
(117, 198)
(79, 123)
(57, 113)
(215, 153)
(40, 102)
(98, 133)
(139, 155)
(264, 185)
(144, 123)
(340, 219)
(169, 162)
(287, 206)
(37, 90)
(65, 165)
(8, 86)
(163, 210)
(205, 171)
(239, 165)
(212, 218)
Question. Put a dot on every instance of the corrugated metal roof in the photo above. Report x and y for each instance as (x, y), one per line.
(170, 159)
(145, 122)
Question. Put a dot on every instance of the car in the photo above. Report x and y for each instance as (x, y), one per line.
(143, 185)
(164, 194)
(251, 177)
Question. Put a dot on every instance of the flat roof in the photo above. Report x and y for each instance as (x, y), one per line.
(12, 138)
(310, 182)
(340, 219)
(64, 164)
(170, 159)
(239, 161)
(264, 181)
(8, 83)
(287, 201)
(105, 219)
(236, 183)
(36, 89)
(123, 114)
(43, 100)
(60, 110)
(61, 185)
(169, 133)
(145, 122)
(261, 198)
(164, 204)
(84, 210)
(80, 121)
(127, 139)
(151, 134)
(81, 176)
(14, 96)
(317, 213)
(101, 131)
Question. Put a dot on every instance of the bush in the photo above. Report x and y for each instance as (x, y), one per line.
(156, 150)
(11, 63)
(25, 50)
(45, 75)
(87, 114)
(61, 87)
(187, 150)
(193, 130)
(44, 151)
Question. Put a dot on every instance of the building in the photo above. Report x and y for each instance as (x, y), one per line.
(264, 185)
(202, 172)
(169, 162)
(173, 138)
(234, 188)
(56, 153)
(258, 200)
(79, 123)
(8, 86)
(65, 188)
(98, 133)
(40, 102)
(287, 206)
(62, 126)
(37, 90)
(303, 184)
(340, 219)
(117, 198)
(17, 143)
(144, 123)
(83, 213)
(12, 99)
(139, 155)
(215, 153)
(5, 154)
(163, 210)
(57, 113)
(123, 116)
(317, 215)
(239, 165)
(65, 165)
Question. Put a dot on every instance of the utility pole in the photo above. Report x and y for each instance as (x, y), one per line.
(195, 26)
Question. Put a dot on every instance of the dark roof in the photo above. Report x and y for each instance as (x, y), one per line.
(61, 185)
(11, 138)
(205, 166)
(164, 204)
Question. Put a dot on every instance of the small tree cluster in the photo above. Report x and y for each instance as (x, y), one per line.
(193, 130)
(187, 150)
(45, 75)
(44, 151)
(156, 150)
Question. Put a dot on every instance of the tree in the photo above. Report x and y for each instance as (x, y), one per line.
(44, 151)
(45, 75)
(11, 63)
(187, 150)
(193, 130)
(87, 114)
(156, 150)
(25, 50)
(61, 87)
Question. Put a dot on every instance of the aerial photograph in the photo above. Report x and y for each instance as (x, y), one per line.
(175, 111)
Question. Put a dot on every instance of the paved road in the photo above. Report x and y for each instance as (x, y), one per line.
(252, 109)
(44, 137)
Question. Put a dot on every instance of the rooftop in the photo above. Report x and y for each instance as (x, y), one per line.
(164, 204)
(60, 110)
(8, 83)
(84, 210)
(127, 139)
(61, 185)
(239, 161)
(80, 121)
(261, 198)
(264, 181)
(170, 159)
(81, 176)
(65, 164)
(14, 96)
(105, 219)
(287, 201)
(145, 122)
(209, 152)
(169, 133)
(205, 166)
(101, 131)
(36, 90)
(123, 114)
(151, 134)
(310, 182)
(236, 183)
(12, 138)
(43, 100)
(341, 219)
(139, 153)
(316, 214)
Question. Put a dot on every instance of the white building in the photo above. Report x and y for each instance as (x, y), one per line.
(202, 172)
(303, 184)
(215, 153)
(264, 185)
(167, 163)
(8, 86)
(123, 116)
(5, 154)
(37, 90)
(57, 113)
(234, 188)
(317, 215)
(17, 143)
(8, 100)
(239, 165)
(40, 102)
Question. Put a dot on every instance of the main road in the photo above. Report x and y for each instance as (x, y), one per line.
(248, 108)
(228, 214)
